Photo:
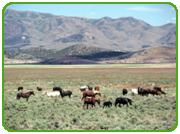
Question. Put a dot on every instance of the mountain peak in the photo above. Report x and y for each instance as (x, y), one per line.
(108, 18)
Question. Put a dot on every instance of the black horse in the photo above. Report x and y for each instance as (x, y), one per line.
(107, 104)
(123, 101)
(65, 93)
(124, 91)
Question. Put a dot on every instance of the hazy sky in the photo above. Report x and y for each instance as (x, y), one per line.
(154, 14)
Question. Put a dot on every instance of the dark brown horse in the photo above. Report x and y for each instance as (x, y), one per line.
(90, 88)
(39, 88)
(96, 88)
(90, 94)
(143, 92)
(157, 88)
(20, 88)
(91, 101)
(56, 88)
(24, 95)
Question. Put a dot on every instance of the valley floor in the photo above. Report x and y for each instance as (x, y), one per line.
(43, 113)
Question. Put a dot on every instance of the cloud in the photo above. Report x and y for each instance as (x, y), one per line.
(174, 18)
(92, 13)
(172, 8)
(143, 8)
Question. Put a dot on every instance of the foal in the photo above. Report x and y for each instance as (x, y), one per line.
(108, 103)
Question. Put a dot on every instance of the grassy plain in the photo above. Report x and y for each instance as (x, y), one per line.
(43, 113)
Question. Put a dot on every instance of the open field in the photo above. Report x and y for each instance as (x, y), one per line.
(43, 113)
(167, 65)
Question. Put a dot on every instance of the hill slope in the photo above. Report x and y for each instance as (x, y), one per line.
(82, 54)
(26, 29)
(154, 55)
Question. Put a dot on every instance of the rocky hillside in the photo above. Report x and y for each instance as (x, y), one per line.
(26, 29)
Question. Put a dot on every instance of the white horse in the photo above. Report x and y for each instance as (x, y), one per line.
(83, 88)
(52, 94)
(134, 91)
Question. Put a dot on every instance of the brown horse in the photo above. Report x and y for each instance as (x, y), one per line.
(96, 88)
(156, 92)
(20, 88)
(90, 94)
(39, 88)
(91, 101)
(24, 95)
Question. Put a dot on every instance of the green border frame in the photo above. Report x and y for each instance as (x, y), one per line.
(168, 3)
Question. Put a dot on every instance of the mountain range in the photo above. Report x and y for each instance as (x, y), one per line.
(27, 29)
(34, 37)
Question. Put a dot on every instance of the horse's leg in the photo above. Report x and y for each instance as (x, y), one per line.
(119, 104)
(87, 106)
(82, 97)
(27, 99)
(83, 106)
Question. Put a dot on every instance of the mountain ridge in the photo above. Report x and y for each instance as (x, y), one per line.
(26, 29)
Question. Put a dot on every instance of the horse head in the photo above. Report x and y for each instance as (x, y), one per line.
(44, 93)
(163, 92)
(97, 100)
(31, 92)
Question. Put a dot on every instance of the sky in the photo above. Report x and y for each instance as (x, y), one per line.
(154, 14)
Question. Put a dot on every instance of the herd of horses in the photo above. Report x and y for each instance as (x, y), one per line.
(58, 91)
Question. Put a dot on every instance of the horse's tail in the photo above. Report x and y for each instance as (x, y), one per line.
(17, 97)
